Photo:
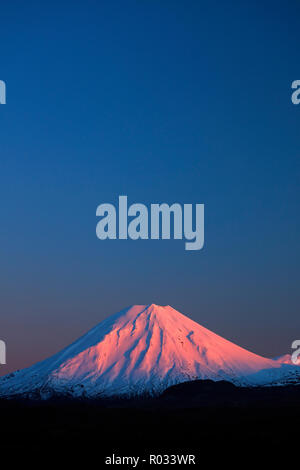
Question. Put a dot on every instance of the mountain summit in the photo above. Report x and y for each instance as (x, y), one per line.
(142, 349)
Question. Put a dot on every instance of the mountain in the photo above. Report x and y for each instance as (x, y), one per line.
(142, 349)
(287, 359)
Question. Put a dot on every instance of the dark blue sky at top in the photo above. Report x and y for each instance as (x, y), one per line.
(163, 101)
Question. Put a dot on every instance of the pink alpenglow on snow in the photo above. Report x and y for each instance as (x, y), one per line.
(143, 349)
(287, 359)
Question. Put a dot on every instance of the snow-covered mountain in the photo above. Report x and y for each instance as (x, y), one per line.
(142, 349)
(287, 359)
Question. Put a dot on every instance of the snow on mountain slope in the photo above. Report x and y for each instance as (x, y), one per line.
(142, 349)
(287, 359)
(284, 375)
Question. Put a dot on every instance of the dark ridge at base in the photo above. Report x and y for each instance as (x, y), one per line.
(208, 393)
(196, 393)
(214, 420)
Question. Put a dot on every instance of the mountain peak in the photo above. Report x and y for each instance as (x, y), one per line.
(150, 307)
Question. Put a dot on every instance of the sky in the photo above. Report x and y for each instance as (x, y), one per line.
(162, 101)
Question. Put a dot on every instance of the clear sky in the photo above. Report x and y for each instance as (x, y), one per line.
(164, 101)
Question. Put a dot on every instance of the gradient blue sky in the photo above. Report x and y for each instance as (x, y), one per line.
(164, 101)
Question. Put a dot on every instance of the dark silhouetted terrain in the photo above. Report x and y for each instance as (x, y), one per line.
(212, 420)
